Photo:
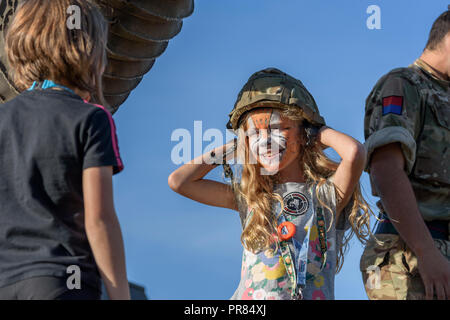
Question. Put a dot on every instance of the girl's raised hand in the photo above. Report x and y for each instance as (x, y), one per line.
(220, 155)
(188, 180)
(353, 155)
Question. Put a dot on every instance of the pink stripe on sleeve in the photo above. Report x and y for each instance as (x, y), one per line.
(113, 135)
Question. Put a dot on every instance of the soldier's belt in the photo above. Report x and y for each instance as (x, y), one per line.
(438, 228)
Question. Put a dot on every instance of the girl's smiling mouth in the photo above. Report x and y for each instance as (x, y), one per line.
(269, 157)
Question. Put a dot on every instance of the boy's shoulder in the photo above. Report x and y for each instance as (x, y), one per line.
(51, 102)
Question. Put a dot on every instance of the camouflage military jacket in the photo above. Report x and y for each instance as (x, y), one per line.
(411, 106)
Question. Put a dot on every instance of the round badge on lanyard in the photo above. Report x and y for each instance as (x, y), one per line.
(286, 230)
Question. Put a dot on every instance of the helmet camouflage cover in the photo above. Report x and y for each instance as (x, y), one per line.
(274, 88)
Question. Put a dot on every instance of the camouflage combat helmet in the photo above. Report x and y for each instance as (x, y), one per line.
(272, 87)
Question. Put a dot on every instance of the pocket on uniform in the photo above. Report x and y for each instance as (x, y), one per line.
(442, 113)
(409, 261)
(431, 164)
(377, 255)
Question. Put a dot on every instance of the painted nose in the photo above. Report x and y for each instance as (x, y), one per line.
(265, 140)
(264, 134)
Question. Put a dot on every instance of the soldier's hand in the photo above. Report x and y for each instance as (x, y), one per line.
(434, 270)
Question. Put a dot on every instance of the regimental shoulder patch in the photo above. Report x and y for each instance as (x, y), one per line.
(295, 203)
(393, 104)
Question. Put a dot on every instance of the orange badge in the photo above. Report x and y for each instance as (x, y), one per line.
(290, 227)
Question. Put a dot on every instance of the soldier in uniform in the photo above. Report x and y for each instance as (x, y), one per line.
(407, 131)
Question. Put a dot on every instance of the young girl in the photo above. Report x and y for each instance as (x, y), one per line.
(59, 233)
(294, 202)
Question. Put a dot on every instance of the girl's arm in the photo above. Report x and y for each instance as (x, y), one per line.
(353, 155)
(103, 231)
(188, 180)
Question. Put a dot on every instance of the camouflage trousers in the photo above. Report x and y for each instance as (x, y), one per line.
(390, 272)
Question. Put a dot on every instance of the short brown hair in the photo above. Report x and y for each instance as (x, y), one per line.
(439, 30)
(40, 45)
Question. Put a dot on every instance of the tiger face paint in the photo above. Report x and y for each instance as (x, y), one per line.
(273, 140)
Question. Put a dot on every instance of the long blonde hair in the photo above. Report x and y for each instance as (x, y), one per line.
(40, 45)
(258, 192)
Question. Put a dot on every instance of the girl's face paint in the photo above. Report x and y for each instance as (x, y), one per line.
(273, 140)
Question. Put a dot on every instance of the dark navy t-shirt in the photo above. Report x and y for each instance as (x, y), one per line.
(47, 138)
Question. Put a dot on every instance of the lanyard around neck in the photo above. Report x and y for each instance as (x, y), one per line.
(47, 84)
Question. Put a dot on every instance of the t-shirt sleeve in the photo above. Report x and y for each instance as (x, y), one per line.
(393, 115)
(100, 145)
(329, 195)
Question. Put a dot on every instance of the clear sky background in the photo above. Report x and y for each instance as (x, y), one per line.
(180, 249)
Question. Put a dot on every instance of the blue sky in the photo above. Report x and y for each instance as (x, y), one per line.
(180, 249)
